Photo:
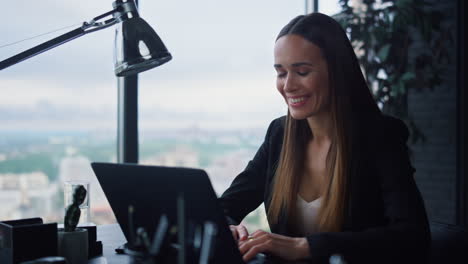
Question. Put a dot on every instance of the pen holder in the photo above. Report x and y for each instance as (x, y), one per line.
(73, 245)
(94, 246)
(27, 239)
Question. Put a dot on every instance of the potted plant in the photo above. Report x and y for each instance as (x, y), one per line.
(72, 241)
(401, 45)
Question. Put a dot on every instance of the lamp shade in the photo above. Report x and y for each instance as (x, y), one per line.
(137, 48)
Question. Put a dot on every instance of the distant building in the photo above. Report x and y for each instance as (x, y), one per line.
(25, 195)
(180, 156)
(224, 168)
(78, 168)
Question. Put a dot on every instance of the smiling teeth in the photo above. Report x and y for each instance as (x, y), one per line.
(296, 100)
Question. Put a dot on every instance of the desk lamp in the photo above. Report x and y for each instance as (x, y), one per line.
(137, 46)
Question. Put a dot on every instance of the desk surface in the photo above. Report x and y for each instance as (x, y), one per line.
(111, 237)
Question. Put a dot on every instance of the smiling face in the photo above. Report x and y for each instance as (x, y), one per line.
(302, 76)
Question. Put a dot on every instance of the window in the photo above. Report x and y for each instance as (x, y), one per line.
(57, 110)
(329, 8)
(211, 105)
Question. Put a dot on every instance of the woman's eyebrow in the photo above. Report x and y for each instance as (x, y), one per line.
(296, 64)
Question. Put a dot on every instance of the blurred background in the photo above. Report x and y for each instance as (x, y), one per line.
(210, 106)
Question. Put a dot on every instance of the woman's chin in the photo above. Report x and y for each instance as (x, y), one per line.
(298, 116)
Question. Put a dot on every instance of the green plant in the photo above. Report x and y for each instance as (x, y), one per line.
(73, 213)
(383, 34)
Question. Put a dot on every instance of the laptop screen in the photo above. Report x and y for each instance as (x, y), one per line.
(154, 190)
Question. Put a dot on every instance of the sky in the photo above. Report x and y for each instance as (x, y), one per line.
(221, 75)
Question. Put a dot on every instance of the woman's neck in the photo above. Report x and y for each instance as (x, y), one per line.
(321, 126)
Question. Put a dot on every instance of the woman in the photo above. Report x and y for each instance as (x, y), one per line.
(334, 174)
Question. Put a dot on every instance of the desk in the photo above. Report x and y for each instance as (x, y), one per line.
(111, 237)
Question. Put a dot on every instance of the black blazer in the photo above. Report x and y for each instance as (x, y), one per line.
(385, 220)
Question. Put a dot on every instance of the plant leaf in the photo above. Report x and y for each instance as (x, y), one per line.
(408, 76)
(402, 88)
(383, 52)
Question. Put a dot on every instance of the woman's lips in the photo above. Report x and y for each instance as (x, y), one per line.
(297, 101)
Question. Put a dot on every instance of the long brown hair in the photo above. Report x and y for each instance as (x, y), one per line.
(349, 98)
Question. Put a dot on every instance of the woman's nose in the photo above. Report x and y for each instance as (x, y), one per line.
(289, 84)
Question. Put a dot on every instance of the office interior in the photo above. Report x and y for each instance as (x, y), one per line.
(209, 107)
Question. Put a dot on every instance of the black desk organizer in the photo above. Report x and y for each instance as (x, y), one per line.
(27, 239)
(94, 246)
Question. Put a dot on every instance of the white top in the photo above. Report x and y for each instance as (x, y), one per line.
(306, 215)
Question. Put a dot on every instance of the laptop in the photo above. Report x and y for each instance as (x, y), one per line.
(154, 191)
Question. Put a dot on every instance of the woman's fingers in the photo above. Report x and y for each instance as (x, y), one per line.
(234, 232)
(260, 242)
(288, 248)
(259, 248)
(253, 240)
(239, 232)
(259, 232)
(242, 232)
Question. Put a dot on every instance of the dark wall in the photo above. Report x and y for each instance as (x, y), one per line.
(435, 113)
(462, 183)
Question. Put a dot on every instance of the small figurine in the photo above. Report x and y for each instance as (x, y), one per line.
(73, 213)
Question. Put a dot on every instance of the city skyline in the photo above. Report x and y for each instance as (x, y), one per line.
(33, 192)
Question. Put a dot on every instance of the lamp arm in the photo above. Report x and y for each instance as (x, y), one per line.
(97, 23)
(42, 47)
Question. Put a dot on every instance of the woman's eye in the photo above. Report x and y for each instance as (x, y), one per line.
(303, 73)
(281, 74)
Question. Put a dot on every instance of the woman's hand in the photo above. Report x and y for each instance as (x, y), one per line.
(287, 248)
(239, 232)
